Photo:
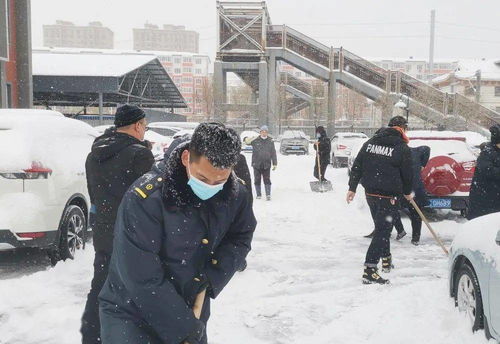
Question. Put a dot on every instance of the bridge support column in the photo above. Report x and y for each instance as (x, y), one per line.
(332, 102)
(263, 114)
(274, 93)
(219, 90)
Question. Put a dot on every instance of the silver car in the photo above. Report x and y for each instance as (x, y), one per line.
(294, 142)
(475, 273)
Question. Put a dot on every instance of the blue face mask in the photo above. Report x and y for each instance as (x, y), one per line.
(203, 190)
(318, 135)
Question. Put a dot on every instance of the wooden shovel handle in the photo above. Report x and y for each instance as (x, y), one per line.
(422, 216)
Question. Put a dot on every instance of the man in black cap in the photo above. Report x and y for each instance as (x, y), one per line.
(484, 195)
(384, 167)
(117, 159)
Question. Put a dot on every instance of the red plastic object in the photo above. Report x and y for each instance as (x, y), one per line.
(442, 176)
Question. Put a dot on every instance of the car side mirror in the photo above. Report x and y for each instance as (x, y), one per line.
(498, 238)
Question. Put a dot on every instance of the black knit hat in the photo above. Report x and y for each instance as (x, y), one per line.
(398, 121)
(128, 114)
(495, 134)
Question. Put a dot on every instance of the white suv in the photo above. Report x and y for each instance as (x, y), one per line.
(342, 145)
(44, 201)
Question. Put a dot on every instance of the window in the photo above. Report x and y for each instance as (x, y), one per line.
(177, 71)
(198, 81)
(187, 70)
(419, 68)
(187, 59)
(177, 59)
(177, 80)
(187, 80)
(198, 71)
(497, 91)
(189, 100)
(198, 61)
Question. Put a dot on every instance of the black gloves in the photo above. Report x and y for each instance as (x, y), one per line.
(196, 336)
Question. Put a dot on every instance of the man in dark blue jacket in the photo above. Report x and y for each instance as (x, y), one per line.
(178, 233)
(383, 166)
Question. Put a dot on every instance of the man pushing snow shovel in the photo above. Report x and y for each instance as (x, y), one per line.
(384, 167)
(323, 147)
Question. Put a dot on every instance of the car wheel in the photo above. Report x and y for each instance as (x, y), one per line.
(72, 232)
(468, 296)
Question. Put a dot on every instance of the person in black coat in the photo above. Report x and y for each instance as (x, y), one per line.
(484, 197)
(323, 147)
(383, 166)
(178, 233)
(116, 160)
(263, 158)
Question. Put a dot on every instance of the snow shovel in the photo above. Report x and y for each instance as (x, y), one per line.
(320, 186)
(198, 306)
(422, 216)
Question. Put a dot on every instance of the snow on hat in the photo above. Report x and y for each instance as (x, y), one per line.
(264, 128)
(128, 114)
(495, 134)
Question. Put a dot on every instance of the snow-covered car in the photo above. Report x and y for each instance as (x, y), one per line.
(183, 132)
(247, 134)
(294, 142)
(44, 201)
(448, 175)
(163, 128)
(474, 266)
(342, 144)
(355, 148)
(160, 143)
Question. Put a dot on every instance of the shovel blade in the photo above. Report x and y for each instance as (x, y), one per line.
(321, 186)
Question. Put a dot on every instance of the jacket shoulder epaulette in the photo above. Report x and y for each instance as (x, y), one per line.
(148, 185)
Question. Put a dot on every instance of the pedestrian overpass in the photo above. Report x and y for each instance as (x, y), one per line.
(250, 46)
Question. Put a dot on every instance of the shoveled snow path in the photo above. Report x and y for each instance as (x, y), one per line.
(302, 285)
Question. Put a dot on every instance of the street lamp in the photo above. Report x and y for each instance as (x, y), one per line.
(404, 106)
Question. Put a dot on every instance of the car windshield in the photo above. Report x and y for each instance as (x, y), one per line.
(294, 134)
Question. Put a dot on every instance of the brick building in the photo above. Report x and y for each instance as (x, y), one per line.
(16, 86)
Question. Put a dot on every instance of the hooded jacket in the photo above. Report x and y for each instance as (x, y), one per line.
(166, 239)
(383, 165)
(325, 147)
(114, 163)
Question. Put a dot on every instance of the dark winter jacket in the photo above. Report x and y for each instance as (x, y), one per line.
(264, 153)
(383, 165)
(115, 162)
(419, 158)
(325, 147)
(242, 172)
(484, 195)
(167, 241)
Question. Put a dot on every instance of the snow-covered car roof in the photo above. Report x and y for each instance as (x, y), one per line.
(291, 134)
(248, 133)
(452, 147)
(30, 112)
(471, 137)
(346, 134)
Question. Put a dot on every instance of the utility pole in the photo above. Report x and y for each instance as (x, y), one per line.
(478, 85)
(431, 47)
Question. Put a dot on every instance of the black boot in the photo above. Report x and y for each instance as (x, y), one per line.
(268, 191)
(371, 276)
(401, 235)
(258, 191)
(387, 265)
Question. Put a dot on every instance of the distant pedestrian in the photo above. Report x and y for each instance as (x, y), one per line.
(383, 166)
(117, 159)
(263, 159)
(484, 195)
(323, 147)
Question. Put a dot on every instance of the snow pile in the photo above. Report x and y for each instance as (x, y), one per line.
(480, 235)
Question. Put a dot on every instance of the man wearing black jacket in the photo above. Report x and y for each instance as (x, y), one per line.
(323, 148)
(178, 232)
(117, 159)
(263, 158)
(384, 168)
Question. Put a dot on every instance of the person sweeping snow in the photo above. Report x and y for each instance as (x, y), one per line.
(322, 147)
(384, 167)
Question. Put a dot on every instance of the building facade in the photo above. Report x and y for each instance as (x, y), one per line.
(417, 68)
(16, 86)
(464, 80)
(168, 38)
(65, 34)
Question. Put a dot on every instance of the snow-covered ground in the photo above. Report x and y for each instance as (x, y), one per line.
(302, 285)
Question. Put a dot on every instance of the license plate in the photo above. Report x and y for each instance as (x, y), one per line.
(296, 148)
(440, 203)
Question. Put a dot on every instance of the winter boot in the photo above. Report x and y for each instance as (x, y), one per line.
(415, 242)
(258, 191)
(371, 276)
(387, 265)
(401, 235)
(268, 191)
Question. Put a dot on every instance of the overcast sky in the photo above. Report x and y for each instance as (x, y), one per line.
(370, 28)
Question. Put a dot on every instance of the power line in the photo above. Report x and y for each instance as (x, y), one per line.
(470, 26)
(469, 39)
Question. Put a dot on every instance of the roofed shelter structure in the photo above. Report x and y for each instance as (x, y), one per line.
(90, 79)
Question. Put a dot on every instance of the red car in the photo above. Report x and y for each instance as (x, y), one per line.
(448, 175)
